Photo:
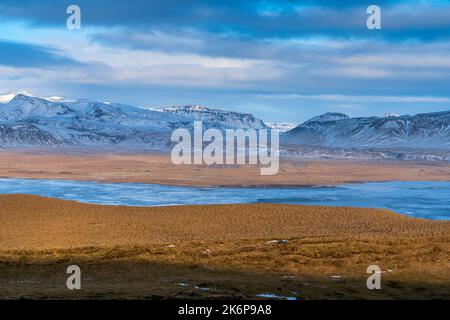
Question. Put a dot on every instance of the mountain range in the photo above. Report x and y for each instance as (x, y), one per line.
(32, 121)
(26, 120)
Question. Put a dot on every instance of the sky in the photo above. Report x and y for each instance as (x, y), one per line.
(280, 60)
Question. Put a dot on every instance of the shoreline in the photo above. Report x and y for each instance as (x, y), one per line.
(230, 186)
(137, 195)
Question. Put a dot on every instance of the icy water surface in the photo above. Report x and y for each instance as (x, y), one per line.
(429, 200)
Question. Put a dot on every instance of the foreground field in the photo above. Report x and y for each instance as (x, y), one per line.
(81, 164)
(217, 251)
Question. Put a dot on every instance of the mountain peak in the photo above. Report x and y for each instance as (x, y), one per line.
(231, 119)
(329, 116)
(189, 108)
(23, 107)
(22, 96)
(6, 98)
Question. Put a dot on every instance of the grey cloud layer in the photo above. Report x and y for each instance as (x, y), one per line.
(260, 19)
(232, 51)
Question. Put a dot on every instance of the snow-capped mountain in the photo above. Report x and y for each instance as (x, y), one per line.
(430, 130)
(31, 121)
(218, 117)
(34, 121)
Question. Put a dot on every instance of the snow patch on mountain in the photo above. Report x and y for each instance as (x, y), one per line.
(389, 115)
(281, 126)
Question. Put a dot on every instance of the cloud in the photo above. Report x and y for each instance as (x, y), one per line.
(319, 51)
(293, 56)
(21, 55)
(415, 19)
(361, 98)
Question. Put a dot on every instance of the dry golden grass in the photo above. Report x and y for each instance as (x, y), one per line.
(303, 268)
(40, 223)
(148, 252)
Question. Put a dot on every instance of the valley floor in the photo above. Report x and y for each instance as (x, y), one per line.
(108, 166)
(213, 252)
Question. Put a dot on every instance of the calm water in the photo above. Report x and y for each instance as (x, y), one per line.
(429, 200)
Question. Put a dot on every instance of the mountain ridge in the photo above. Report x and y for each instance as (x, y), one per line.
(27, 120)
(423, 130)
(32, 121)
(241, 120)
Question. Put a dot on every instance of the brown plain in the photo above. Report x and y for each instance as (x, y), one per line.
(157, 168)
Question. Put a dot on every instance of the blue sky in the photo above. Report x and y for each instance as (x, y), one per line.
(280, 60)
